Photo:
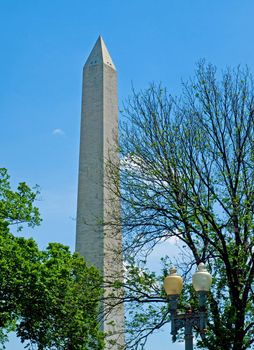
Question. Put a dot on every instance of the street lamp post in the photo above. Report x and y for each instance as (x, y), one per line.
(173, 284)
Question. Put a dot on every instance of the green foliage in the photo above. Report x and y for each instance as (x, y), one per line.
(17, 207)
(59, 309)
(50, 298)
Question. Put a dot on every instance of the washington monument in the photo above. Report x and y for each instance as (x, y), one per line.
(99, 245)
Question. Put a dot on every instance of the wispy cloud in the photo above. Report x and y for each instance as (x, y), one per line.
(58, 132)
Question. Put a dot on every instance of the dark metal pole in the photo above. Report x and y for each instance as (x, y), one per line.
(188, 320)
(173, 300)
(188, 335)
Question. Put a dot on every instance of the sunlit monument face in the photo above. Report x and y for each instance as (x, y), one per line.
(99, 123)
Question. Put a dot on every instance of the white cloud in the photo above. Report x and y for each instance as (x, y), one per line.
(58, 132)
(172, 240)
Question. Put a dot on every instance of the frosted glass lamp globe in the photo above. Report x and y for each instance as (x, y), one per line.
(173, 283)
(202, 280)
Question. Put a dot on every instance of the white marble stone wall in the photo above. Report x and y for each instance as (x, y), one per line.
(99, 244)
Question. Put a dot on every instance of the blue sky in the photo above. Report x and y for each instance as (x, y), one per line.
(44, 44)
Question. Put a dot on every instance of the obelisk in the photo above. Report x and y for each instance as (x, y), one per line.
(100, 245)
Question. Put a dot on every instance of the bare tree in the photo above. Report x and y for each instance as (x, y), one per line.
(187, 170)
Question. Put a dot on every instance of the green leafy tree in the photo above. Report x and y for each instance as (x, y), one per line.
(59, 308)
(187, 171)
(50, 298)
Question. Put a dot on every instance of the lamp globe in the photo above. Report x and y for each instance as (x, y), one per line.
(201, 280)
(173, 283)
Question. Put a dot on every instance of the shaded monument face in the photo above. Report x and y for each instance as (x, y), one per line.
(96, 241)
